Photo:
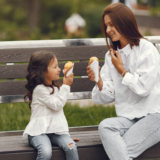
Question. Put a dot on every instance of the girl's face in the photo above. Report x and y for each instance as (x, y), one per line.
(112, 31)
(53, 71)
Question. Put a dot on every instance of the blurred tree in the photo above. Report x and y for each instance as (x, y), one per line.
(155, 7)
(93, 15)
(52, 21)
(41, 19)
(152, 3)
(33, 9)
(13, 19)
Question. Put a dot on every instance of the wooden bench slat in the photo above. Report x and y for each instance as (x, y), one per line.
(71, 129)
(63, 54)
(94, 153)
(17, 87)
(143, 21)
(20, 70)
(13, 71)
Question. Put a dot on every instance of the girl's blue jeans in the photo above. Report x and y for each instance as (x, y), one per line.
(125, 139)
(43, 144)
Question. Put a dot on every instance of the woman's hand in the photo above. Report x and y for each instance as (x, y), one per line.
(68, 80)
(91, 74)
(117, 61)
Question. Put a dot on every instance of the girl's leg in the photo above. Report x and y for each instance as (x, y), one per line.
(43, 145)
(143, 134)
(111, 131)
(65, 142)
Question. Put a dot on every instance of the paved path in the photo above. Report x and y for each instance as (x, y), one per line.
(86, 103)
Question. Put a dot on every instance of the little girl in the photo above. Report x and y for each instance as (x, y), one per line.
(48, 125)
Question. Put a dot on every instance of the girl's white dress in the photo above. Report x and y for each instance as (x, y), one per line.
(47, 114)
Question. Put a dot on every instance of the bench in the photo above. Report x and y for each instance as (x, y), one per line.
(14, 56)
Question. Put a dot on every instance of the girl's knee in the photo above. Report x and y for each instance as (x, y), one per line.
(45, 153)
(71, 151)
(70, 146)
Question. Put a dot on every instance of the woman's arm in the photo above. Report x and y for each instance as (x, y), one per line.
(103, 92)
(144, 77)
(100, 83)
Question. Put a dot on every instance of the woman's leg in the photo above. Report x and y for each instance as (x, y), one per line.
(111, 131)
(143, 134)
(65, 142)
(43, 145)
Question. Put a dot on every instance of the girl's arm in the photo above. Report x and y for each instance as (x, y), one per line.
(55, 101)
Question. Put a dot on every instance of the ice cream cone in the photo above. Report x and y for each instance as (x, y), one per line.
(94, 65)
(68, 68)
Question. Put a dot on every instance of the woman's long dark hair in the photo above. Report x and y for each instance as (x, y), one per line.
(37, 66)
(124, 21)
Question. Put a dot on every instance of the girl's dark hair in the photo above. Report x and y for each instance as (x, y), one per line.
(124, 21)
(37, 66)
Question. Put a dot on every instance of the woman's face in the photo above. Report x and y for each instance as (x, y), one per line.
(111, 30)
(53, 71)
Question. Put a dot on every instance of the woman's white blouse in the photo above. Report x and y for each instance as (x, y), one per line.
(138, 92)
(47, 114)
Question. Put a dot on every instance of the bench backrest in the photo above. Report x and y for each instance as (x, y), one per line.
(15, 55)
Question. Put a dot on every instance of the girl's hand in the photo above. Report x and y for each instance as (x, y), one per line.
(68, 80)
(91, 74)
(117, 61)
(75, 139)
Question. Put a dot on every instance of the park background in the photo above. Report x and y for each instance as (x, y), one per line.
(45, 20)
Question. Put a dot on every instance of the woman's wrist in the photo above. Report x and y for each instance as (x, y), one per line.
(100, 83)
(121, 70)
(124, 73)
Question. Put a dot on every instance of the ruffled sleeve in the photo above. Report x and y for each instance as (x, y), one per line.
(144, 77)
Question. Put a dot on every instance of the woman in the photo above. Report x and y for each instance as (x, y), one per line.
(130, 76)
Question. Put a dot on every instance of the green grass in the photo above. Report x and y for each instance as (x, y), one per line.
(15, 116)
(87, 116)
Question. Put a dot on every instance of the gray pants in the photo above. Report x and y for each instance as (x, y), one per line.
(125, 139)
